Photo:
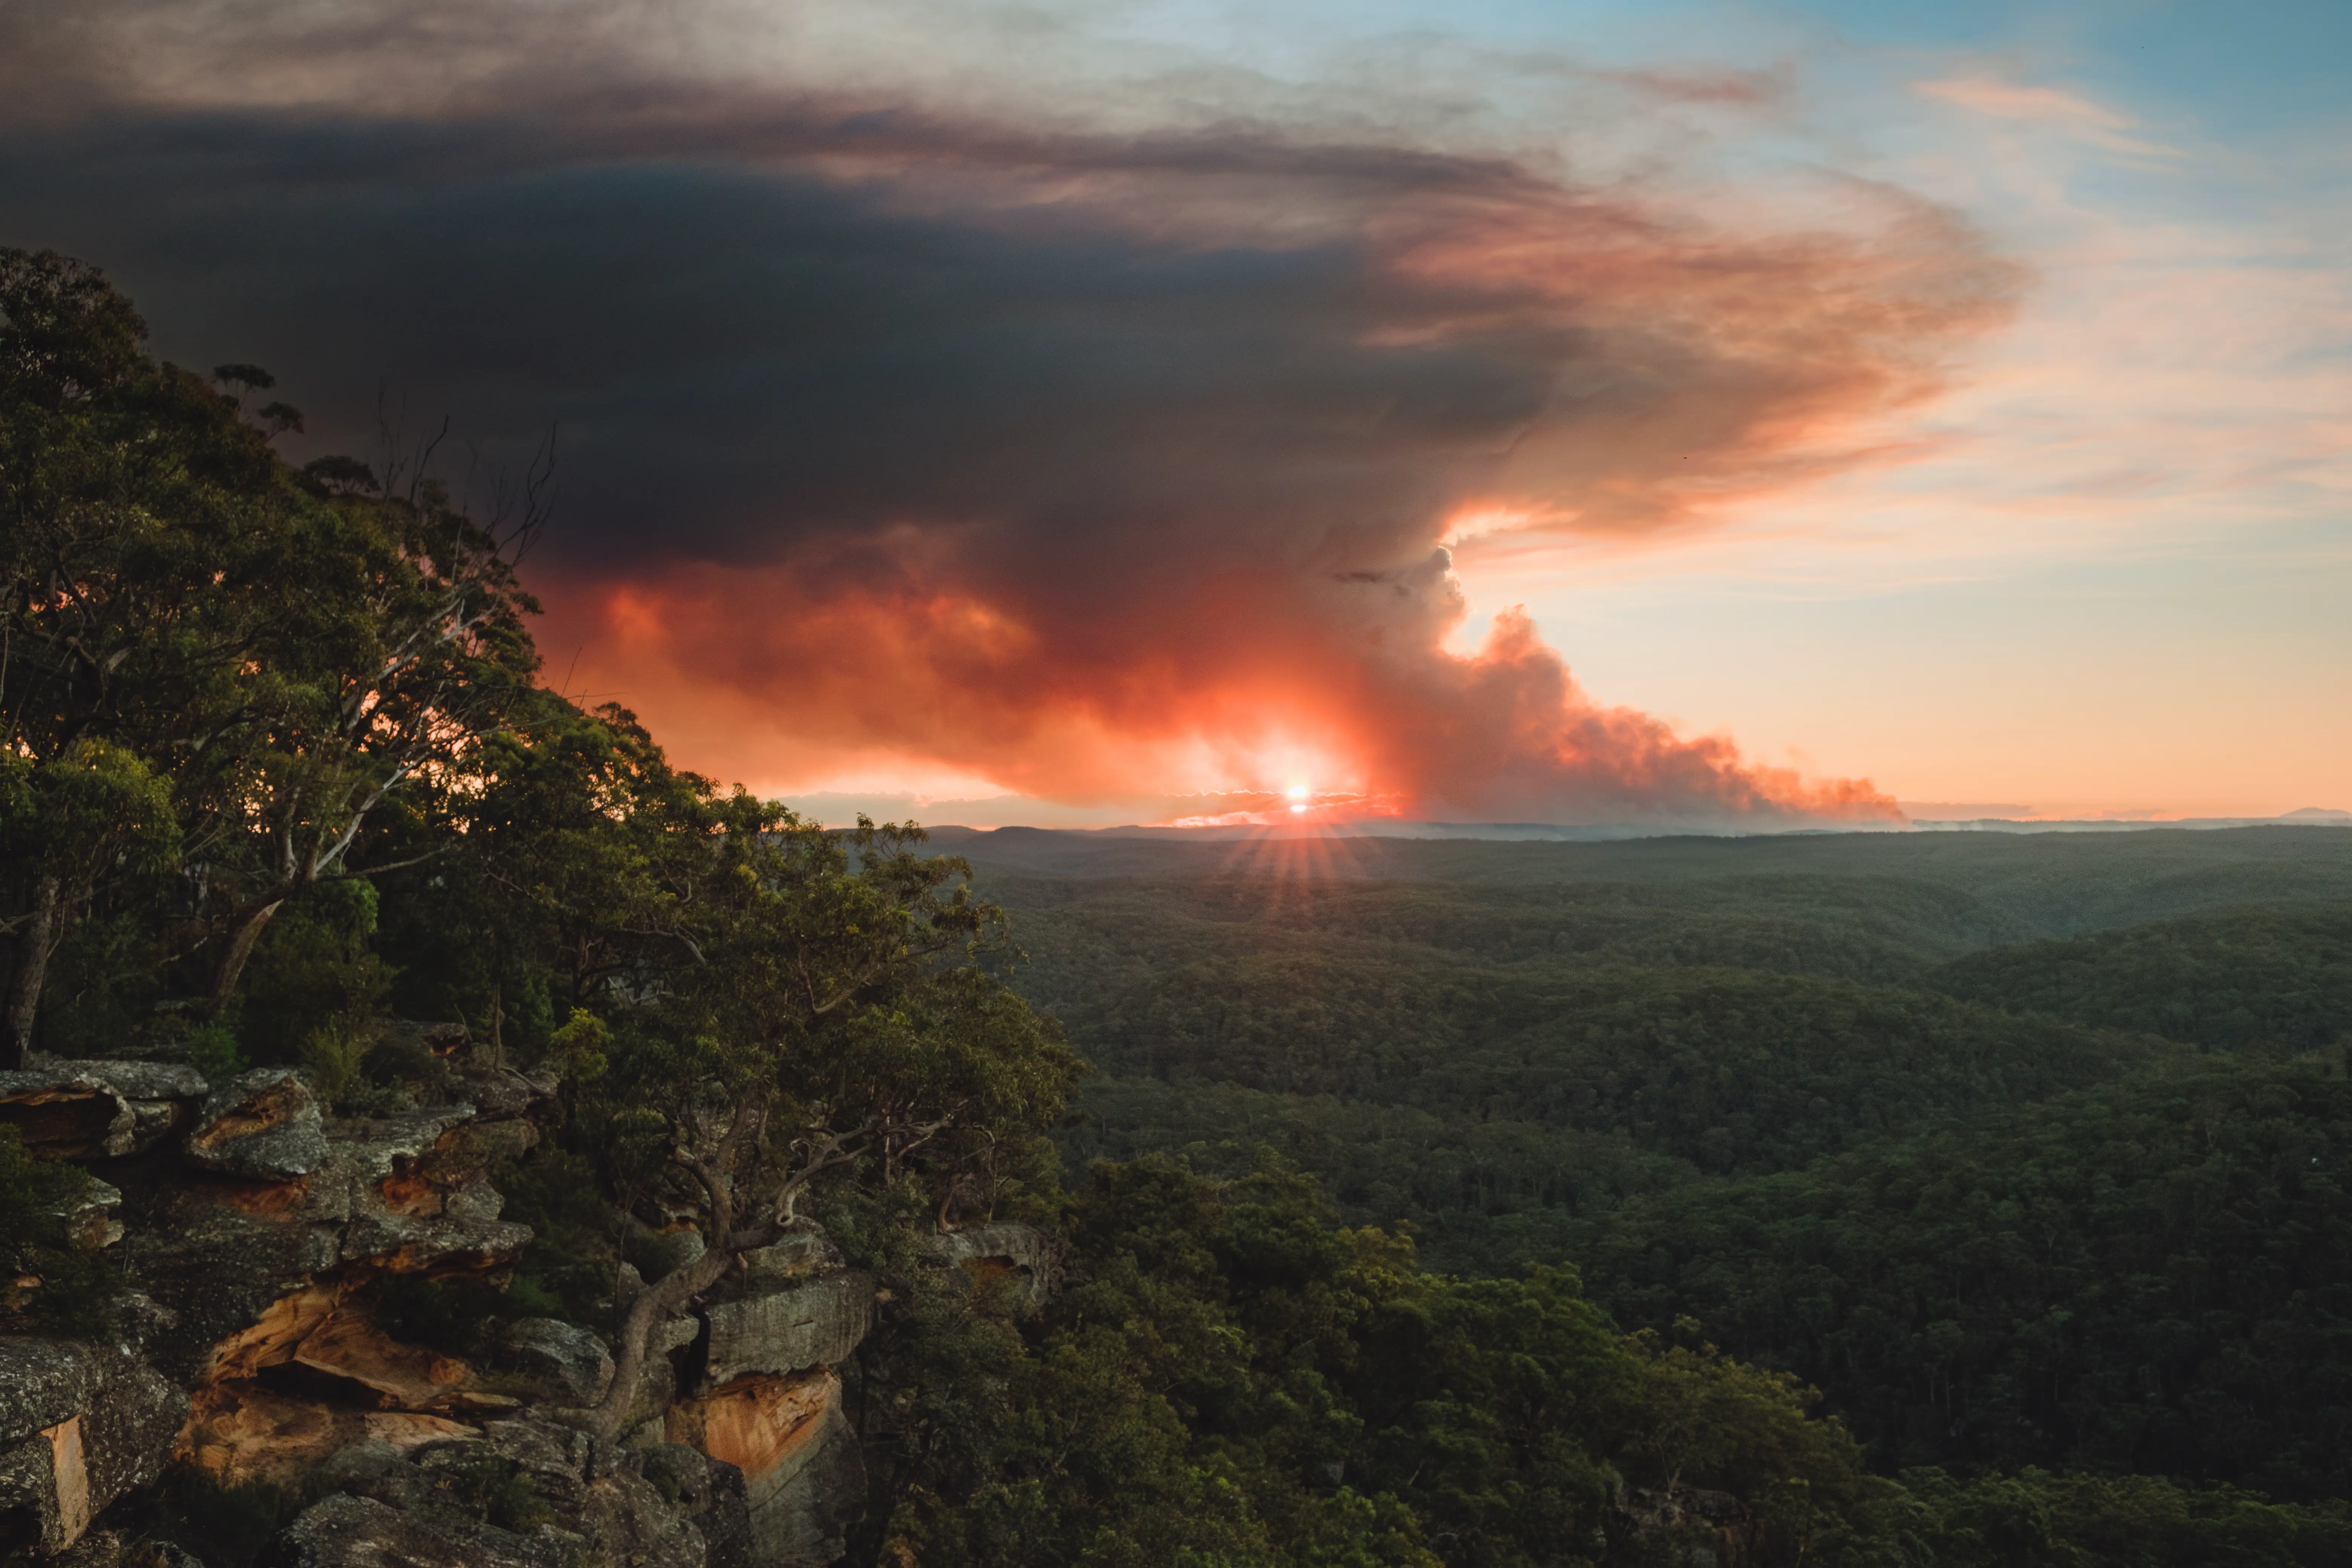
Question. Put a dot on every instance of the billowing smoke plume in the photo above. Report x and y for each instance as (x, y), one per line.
(1096, 449)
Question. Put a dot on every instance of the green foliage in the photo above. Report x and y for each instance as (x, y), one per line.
(214, 1052)
(1999, 1236)
(274, 763)
(1229, 1379)
(212, 652)
(2036, 1519)
(314, 980)
(2151, 1277)
(567, 1270)
(1728, 1069)
(1482, 1196)
(2267, 977)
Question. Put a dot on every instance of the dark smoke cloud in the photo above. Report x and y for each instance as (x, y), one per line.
(1095, 459)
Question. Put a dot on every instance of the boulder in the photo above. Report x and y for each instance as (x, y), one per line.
(523, 1487)
(243, 1432)
(88, 1220)
(99, 1110)
(709, 1491)
(557, 1463)
(412, 1189)
(346, 1532)
(380, 1197)
(571, 1362)
(801, 1255)
(266, 1125)
(627, 1520)
(218, 1272)
(658, 1254)
(1022, 1255)
(347, 1344)
(80, 1426)
(814, 1323)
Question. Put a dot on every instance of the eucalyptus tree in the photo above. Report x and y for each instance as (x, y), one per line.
(807, 1008)
(280, 660)
(139, 525)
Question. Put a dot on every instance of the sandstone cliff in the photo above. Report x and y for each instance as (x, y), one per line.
(258, 1241)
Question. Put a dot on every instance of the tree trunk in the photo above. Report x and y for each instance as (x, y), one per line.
(240, 948)
(675, 1291)
(33, 949)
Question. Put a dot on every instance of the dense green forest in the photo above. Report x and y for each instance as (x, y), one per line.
(2086, 1222)
(2152, 1276)
(1812, 1200)
(2263, 976)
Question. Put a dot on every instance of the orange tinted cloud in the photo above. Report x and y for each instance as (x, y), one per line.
(749, 674)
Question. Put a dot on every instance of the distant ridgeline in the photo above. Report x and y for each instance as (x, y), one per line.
(436, 1129)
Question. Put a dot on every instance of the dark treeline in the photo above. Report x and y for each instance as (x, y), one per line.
(278, 766)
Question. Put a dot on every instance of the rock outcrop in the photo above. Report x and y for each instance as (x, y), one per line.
(567, 1362)
(521, 1493)
(797, 1325)
(99, 1110)
(266, 1125)
(1019, 1257)
(269, 1268)
(266, 1239)
(81, 1426)
(757, 1389)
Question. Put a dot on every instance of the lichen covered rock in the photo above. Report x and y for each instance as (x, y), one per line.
(568, 1360)
(99, 1110)
(1021, 1257)
(346, 1532)
(80, 1425)
(266, 1125)
(815, 1322)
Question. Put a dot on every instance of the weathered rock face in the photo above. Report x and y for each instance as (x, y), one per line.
(266, 1125)
(570, 1362)
(80, 1425)
(760, 1394)
(803, 1476)
(1020, 1255)
(109, 1549)
(267, 1270)
(558, 1497)
(99, 1110)
(346, 1532)
(253, 1347)
(810, 1322)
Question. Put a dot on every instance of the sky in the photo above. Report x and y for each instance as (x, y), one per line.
(1694, 415)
